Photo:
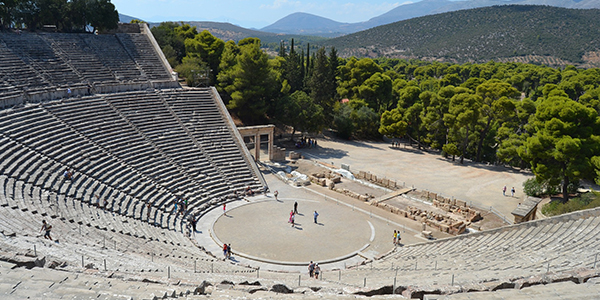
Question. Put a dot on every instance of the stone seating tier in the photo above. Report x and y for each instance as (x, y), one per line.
(32, 62)
(107, 141)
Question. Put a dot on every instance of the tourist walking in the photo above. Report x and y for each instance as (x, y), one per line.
(317, 270)
(315, 215)
(395, 237)
(224, 209)
(225, 251)
(292, 219)
(229, 251)
(148, 212)
(512, 192)
(295, 207)
(311, 269)
(46, 227)
(276, 193)
(504, 191)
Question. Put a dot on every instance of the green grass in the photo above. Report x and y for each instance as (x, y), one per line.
(585, 201)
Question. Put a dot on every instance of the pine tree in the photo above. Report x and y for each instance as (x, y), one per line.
(333, 73)
(293, 70)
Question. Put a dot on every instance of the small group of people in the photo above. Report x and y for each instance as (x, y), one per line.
(68, 174)
(314, 270)
(227, 251)
(181, 204)
(397, 238)
(512, 191)
(306, 142)
(104, 202)
(294, 212)
(248, 191)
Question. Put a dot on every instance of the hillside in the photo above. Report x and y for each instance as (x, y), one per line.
(490, 33)
(408, 11)
(228, 31)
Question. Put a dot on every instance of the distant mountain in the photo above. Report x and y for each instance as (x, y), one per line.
(413, 10)
(125, 18)
(544, 34)
(230, 32)
(303, 23)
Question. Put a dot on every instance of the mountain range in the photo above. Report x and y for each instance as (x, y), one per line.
(522, 33)
(304, 24)
(308, 24)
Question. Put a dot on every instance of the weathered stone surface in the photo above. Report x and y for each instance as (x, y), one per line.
(281, 288)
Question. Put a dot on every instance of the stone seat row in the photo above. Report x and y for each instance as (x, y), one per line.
(51, 133)
(140, 48)
(49, 59)
(121, 142)
(519, 250)
(83, 187)
(40, 143)
(29, 200)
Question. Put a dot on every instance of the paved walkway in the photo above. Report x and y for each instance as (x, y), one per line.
(478, 183)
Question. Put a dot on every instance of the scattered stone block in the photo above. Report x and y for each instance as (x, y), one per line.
(427, 234)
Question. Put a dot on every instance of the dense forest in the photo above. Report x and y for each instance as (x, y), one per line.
(523, 115)
(61, 15)
(482, 34)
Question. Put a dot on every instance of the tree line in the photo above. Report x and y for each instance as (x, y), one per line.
(64, 15)
(522, 115)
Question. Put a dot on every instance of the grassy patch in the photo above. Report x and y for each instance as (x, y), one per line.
(585, 201)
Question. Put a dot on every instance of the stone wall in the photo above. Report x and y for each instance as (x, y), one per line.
(381, 181)
(11, 101)
(443, 223)
(329, 179)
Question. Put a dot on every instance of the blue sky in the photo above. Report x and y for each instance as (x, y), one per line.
(256, 14)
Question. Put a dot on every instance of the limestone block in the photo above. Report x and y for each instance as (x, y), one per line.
(322, 181)
(444, 228)
(336, 179)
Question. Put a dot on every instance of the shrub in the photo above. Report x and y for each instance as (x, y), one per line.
(536, 188)
(531, 187)
(584, 201)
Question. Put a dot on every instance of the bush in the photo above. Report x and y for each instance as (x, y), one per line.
(533, 187)
(584, 201)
